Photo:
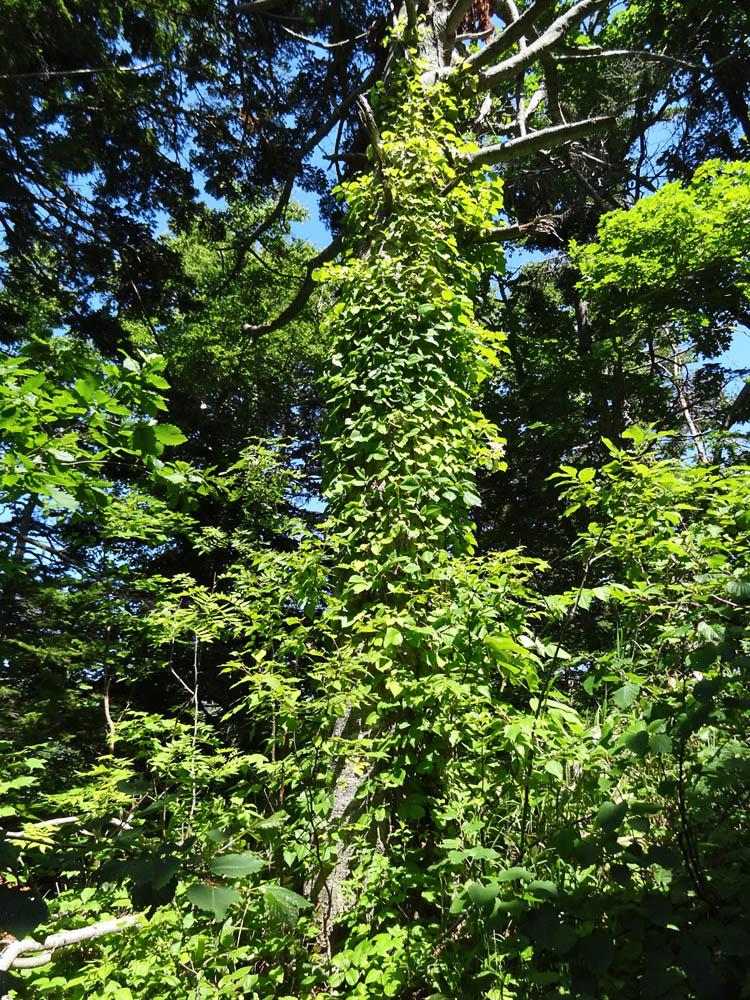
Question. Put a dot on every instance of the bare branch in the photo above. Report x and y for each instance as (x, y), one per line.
(510, 34)
(546, 138)
(595, 52)
(473, 36)
(736, 411)
(507, 69)
(324, 45)
(737, 408)
(10, 958)
(258, 6)
(303, 294)
(505, 234)
(536, 99)
(679, 379)
(48, 74)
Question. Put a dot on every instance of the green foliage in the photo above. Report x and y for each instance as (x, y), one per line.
(678, 257)
(366, 759)
(64, 417)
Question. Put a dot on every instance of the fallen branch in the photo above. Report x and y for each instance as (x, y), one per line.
(12, 958)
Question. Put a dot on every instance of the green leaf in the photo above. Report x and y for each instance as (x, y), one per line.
(212, 897)
(634, 434)
(482, 895)
(660, 743)
(154, 871)
(282, 904)
(169, 434)
(502, 644)
(610, 815)
(86, 387)
(237, 865)
(20, 912)
(61, 498)
(625, 696)
(739, 588)
(392, 637)
(555, 768)
(144, 439)
(511, 874)
(637, 742)
(540, 887)
(459, 904)
(597, 951)
(273, 822)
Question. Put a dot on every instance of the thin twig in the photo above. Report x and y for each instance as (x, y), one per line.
(49, 73)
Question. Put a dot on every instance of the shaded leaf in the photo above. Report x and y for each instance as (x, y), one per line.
(20, 912)
(237, 865)
(480, 894)
(282, 904)
(212, 897)
(611, 814)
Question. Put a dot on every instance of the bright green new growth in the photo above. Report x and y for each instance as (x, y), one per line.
(679, 256)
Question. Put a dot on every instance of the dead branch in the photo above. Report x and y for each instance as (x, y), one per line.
(258, 6)
(456, 15)
(505, 234)
(595, 52)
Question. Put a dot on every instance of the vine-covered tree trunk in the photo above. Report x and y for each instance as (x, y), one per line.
(402, 445)
(403, 441)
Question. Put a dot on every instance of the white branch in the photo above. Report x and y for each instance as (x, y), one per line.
(546, 138)
(48, 74)
(507, 69)
(324, 45)
(258, 6)
(10, 957)
(595, 52)
(510, 34)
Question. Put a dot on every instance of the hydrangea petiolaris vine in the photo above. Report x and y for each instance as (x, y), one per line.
(402, 444)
